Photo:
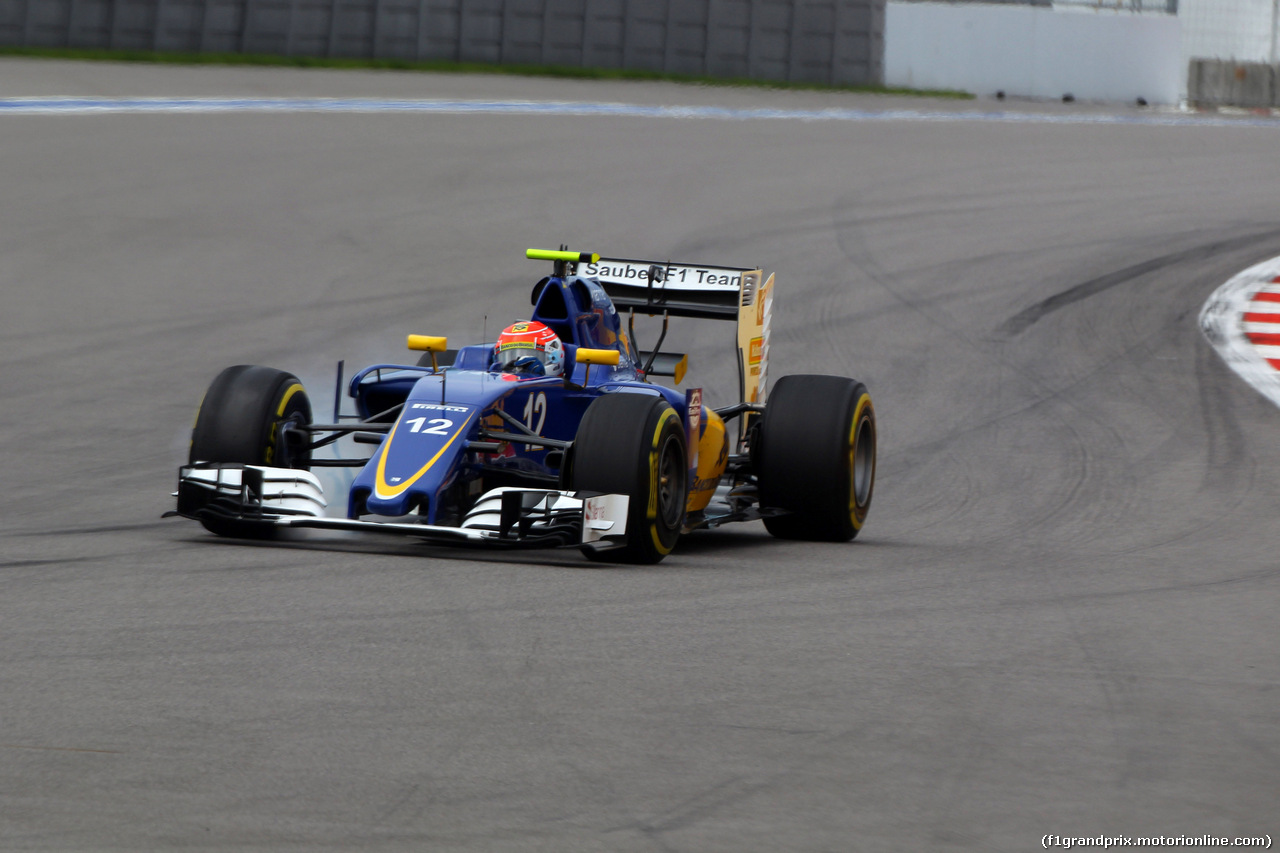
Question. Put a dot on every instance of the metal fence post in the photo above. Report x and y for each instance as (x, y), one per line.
(333, 28)
(158, 26)
(1275, 8)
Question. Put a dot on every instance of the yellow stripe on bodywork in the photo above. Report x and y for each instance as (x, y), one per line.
(380, 482)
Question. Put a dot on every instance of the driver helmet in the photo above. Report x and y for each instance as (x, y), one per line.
(530, 348)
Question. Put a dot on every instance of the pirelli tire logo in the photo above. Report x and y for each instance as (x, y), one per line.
(438, 407)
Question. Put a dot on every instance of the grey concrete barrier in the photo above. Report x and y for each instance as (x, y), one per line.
(817, 41)
(1225, 82)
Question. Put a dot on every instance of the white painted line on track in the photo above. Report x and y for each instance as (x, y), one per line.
(1232, 321)
(97, 106)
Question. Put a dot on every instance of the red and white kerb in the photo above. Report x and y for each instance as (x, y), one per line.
(1261, 322)
(1241, 321)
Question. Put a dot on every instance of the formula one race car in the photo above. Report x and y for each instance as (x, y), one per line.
(553, 435)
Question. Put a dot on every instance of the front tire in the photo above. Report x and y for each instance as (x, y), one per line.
(816, 457)
(634, 445)
(244, 415)
(244, 418)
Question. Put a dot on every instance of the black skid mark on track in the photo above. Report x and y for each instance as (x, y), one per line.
(1230, 471)
(1226, 456)
(105, 528)
(1048, 399)
(698, 807)
(938, 490)
(849, 230)
(1028, 317)
(27, 564)
(1069, 402)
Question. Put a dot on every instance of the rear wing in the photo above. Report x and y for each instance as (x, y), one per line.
(680, 290)
(686, 290)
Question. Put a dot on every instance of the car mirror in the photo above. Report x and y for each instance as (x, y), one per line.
(595, 356)
(428, 343)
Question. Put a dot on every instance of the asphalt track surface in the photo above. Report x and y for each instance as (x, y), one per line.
(1060, 619)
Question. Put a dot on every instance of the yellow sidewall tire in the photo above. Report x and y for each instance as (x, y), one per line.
(634, 444)
(815, 458)
(241, 417)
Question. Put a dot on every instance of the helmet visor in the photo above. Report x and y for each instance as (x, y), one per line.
(511, 355)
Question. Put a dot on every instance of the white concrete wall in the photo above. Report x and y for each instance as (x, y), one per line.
(1034, 52)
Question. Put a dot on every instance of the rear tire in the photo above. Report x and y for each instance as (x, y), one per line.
(816, 457)
(634, 445)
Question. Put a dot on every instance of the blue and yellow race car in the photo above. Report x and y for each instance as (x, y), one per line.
(554, 435)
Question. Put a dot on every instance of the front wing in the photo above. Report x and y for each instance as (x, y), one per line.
(255, 500)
